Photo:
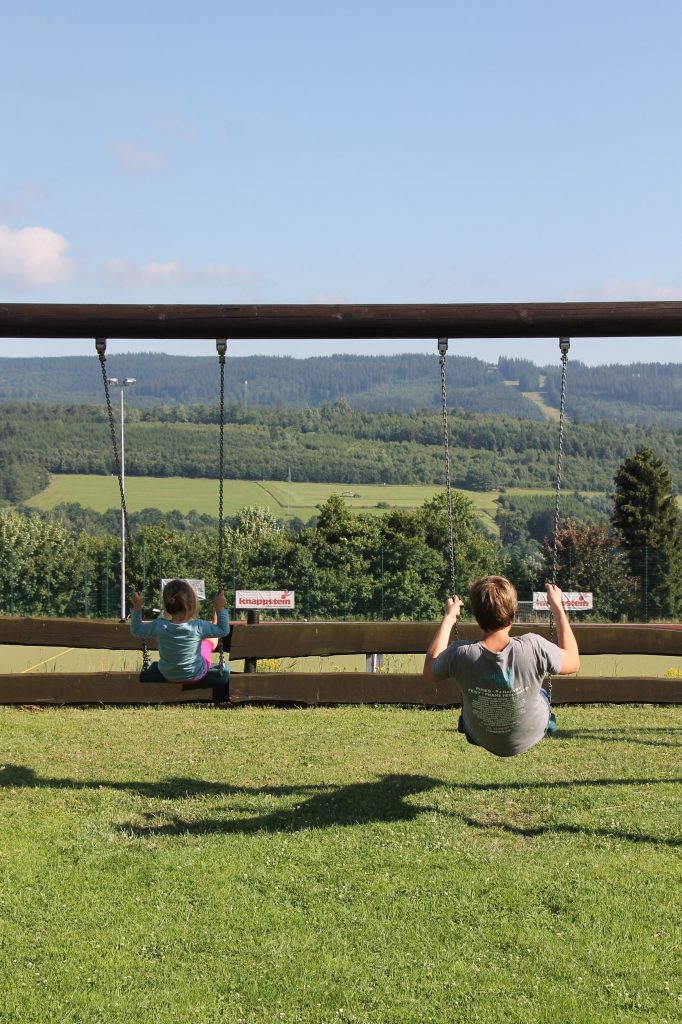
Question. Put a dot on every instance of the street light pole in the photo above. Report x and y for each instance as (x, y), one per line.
(122, 384)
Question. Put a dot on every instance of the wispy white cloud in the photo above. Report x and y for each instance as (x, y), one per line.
(126, 274)
(644, 290)
(133, 157)
(33, 258)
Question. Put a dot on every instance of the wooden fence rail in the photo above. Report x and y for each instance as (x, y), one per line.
(275, 640)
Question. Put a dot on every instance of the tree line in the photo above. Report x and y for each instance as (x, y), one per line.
(357, 565)
(643, 393)
(331, 444)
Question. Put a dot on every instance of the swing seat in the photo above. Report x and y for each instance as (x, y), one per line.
(214, 679)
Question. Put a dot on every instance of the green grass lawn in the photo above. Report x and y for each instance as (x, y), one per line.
(326, 865)
(15, 658)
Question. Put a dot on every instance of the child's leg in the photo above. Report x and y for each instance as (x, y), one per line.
(462, 728)
(551, 725)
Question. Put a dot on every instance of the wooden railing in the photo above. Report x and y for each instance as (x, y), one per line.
(275, 640)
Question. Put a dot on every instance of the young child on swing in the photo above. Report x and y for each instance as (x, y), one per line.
(185, 643)
(504, 707)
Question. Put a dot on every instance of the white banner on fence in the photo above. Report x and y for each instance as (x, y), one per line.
(198, 585)
(264, 599)
(572, 600)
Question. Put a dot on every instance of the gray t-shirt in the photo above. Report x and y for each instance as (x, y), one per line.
(502, 706)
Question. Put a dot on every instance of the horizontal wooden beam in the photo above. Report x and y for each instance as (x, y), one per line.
(95, 688)
(403, 320)
(311, 688)
(377, 688)
(322, 639)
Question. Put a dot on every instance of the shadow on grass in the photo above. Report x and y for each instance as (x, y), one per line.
(622, 736)
(571, 830)
(327, 806)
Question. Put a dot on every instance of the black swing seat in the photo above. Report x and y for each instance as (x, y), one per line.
(214, 679)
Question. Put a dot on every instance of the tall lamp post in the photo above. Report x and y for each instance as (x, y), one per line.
(122, 384)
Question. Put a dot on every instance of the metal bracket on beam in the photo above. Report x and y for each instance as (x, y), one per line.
(442, 346)
(101, 346)
(564, 345)
(221, 348)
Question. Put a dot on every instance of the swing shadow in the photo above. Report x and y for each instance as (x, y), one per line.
(326, 806)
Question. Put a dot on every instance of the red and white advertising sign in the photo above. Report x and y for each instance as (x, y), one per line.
(572, 600)
(264, 599)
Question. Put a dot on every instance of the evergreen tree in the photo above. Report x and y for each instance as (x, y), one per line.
(647, 519)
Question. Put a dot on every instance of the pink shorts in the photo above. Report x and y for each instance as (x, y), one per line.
(207, 649)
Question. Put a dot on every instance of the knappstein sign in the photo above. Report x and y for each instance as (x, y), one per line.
(255, 600)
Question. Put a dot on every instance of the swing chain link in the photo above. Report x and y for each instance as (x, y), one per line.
(221, 348)
(564, 346)
(101, 347)
(442, 351)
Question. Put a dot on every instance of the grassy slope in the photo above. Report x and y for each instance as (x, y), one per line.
(358, 864)
(297, 499)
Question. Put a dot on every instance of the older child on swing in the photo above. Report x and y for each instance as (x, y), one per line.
(504, 707)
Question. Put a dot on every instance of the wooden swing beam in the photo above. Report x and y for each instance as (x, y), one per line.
(279, 640)
(402, 320)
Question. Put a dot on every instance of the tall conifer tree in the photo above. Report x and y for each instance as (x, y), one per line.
(647, 519)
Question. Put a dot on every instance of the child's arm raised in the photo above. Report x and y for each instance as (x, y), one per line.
(441, 640)
(137, 626)
(221, 627)
(570, 661)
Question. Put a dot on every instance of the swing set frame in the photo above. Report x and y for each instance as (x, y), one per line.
(293, 640)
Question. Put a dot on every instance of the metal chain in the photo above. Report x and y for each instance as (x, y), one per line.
(564, 346)
(221, 346)
(442, 350)
(101, 347)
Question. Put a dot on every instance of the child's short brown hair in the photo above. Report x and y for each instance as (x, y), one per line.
(494, 602)
(179, 598)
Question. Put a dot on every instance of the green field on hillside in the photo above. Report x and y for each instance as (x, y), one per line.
(285, 500)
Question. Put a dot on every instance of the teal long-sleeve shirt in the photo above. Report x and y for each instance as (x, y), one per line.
(180, 643)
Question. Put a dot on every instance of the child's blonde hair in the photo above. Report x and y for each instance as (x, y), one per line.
(494, 602)
(180, 598)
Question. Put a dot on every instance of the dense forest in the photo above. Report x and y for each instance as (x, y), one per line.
(368, 382)
(644, 393)
(331, 443)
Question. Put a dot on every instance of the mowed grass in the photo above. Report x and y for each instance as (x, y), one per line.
(285, 500)
(18, 659)
(325, 865)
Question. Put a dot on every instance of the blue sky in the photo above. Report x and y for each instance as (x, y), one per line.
(349, 151)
